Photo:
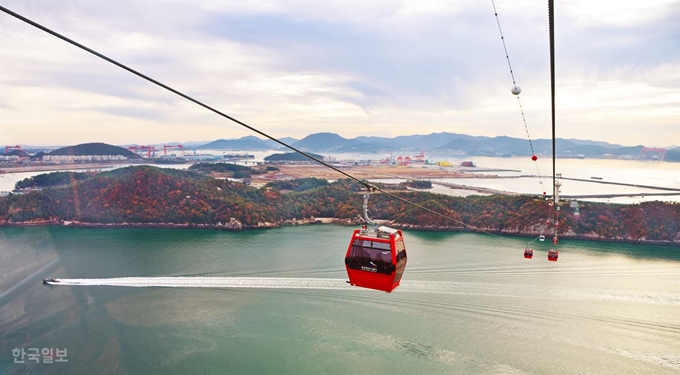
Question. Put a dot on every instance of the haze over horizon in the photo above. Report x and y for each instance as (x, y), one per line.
(374, 69)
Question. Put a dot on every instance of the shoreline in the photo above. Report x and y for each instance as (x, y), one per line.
(373, 172)
(236, 226)
(293, 170)
(59, 167)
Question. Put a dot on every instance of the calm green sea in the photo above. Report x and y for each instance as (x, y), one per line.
(276, 302)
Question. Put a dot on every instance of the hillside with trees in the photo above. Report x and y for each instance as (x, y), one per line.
(94, 149)
(19, 153)
(248, 143)
(51, 179)
(331, 142)
(150, 195)
(291, 156)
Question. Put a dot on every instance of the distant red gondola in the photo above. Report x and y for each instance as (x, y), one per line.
(376, 258)
(528, 253)
(552, 255)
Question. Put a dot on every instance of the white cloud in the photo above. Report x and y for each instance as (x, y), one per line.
(354, 68)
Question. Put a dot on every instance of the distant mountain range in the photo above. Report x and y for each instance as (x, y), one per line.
(462, 144)
(443, 143)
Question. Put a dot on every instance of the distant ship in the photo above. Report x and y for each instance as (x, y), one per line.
(570, 156)
(170, 161)
(238, 156)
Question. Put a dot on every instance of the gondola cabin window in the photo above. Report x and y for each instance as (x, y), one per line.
(371, 256)
(401, 250)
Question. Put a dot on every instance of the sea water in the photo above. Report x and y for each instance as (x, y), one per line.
(276, 302)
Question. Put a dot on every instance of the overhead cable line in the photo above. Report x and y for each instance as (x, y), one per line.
(515, 87)
(369, 186)
(516, 91)
(551, 33)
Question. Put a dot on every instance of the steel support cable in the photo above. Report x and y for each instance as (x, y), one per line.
(368, 185)
(507, 56)
(551, 32)
(521, 109)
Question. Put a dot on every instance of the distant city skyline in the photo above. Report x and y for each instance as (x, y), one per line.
(385, 69)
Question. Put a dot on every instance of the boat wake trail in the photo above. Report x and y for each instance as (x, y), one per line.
(212, 282)
(410, 286)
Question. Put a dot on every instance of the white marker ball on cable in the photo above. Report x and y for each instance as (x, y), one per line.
(516, 90)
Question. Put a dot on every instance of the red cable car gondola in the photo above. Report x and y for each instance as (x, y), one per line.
(528, 253)
(376, 258)
(552, 255)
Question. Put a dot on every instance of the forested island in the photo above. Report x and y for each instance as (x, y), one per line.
(153, 197)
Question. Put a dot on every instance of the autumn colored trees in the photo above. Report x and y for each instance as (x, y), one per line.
(52, 179)
(144, 194)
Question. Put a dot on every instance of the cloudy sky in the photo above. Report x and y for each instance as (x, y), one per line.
(380, 68)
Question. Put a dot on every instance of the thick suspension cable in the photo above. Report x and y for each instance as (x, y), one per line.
(514, 84)
(368, 185)
(551, 32)
(507, 56)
